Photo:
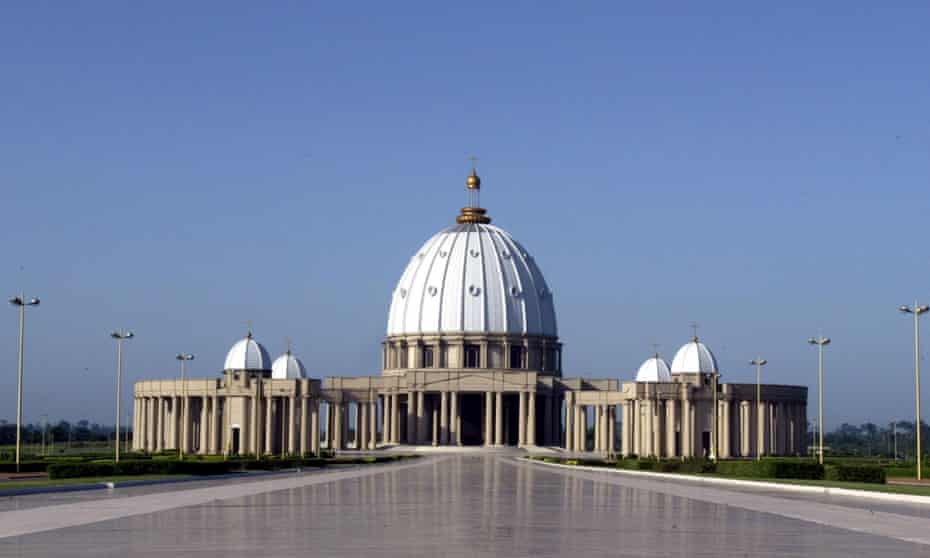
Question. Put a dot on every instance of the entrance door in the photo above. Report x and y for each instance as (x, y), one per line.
(472, 413)
(235, 440)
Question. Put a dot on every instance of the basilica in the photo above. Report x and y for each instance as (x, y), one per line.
(471, 357)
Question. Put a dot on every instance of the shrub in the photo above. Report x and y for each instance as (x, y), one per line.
(856, 473)
(24, 467)
(771, 469)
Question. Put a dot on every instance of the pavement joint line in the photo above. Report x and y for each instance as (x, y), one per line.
(906, 528)
(16, 523)
(787, 487)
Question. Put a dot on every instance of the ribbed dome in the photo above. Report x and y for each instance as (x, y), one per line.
(654, 370)
(247, 354)
(694, 357)
(288, 367)
(472, 278)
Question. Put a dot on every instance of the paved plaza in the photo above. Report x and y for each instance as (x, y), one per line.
(455, 505)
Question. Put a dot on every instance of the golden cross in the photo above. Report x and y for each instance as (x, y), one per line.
(694, 327)
(474, 161)
(655, 348)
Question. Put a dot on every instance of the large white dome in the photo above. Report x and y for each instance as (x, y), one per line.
(694, 357)
(472, 278)
(247, 354)
(288, 367)
(654, 370)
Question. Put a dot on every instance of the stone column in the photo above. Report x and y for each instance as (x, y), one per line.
(337, 425)
(204, 426)
(395, 418)
(499, 419)
(411, 417)
(135, 424)
(269, 423)
(625, 446)
(444, 418)
(582, 416)
(670, 432)
(660, 426)
(315, 427)
(521, 420)
(455, 432)
(611, 427)
(531, 420)
(214, 425)
(304, 417)
(598, 431)
(569, 421)
(361, 430)
(386, 419)
(761, 434)
(725, 426)
(291, 425)
(687, 428)
(745, 445)
(373, 423)
(156, 423)
(421, 417)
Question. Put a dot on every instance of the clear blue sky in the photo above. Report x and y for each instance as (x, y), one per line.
(179, 168)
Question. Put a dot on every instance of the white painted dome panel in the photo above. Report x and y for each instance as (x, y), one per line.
(247, 354)
(472, 278)
(654, 370)
(288, 367)
(694, 357)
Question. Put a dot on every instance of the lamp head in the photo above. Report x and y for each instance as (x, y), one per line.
(16, 301)
(905, 309)
(824, 340)
(34, 301)
(922, 309)
(812, 341)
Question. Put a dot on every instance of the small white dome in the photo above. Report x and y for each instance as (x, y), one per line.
(288, 367)
(247, 354)
(472, 278)
(694, 357)
(654, 370)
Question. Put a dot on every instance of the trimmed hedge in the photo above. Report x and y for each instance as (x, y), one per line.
(24, 467)
(856, 473)
(771, 469)
(192, 467)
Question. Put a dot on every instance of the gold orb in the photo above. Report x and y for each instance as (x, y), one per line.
(473, 182)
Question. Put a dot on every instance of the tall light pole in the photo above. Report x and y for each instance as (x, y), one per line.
(821, 342)
(917, 310)
(120, 336)
(758, 363)
(22, 303)
(182, 358)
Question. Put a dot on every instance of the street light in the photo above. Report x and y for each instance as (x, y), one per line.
(22, 303)
(120, 336)
(182, 358)
(821, 342)
(917, 310)
(758, 363)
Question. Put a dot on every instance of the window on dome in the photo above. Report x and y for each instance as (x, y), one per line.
(516, 356)
(427, 357)
(472, 356)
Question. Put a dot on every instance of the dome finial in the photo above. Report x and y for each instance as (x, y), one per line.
(694, 329)
(287, 341)
(473, 212)
(248, 326)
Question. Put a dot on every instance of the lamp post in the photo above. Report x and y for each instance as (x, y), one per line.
(917, 310)
(758, 363)
(821, 342)
(22, 303)
(182, 358)
(120, 336)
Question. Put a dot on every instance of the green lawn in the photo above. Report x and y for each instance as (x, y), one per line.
(889, 488)
(13, 485)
